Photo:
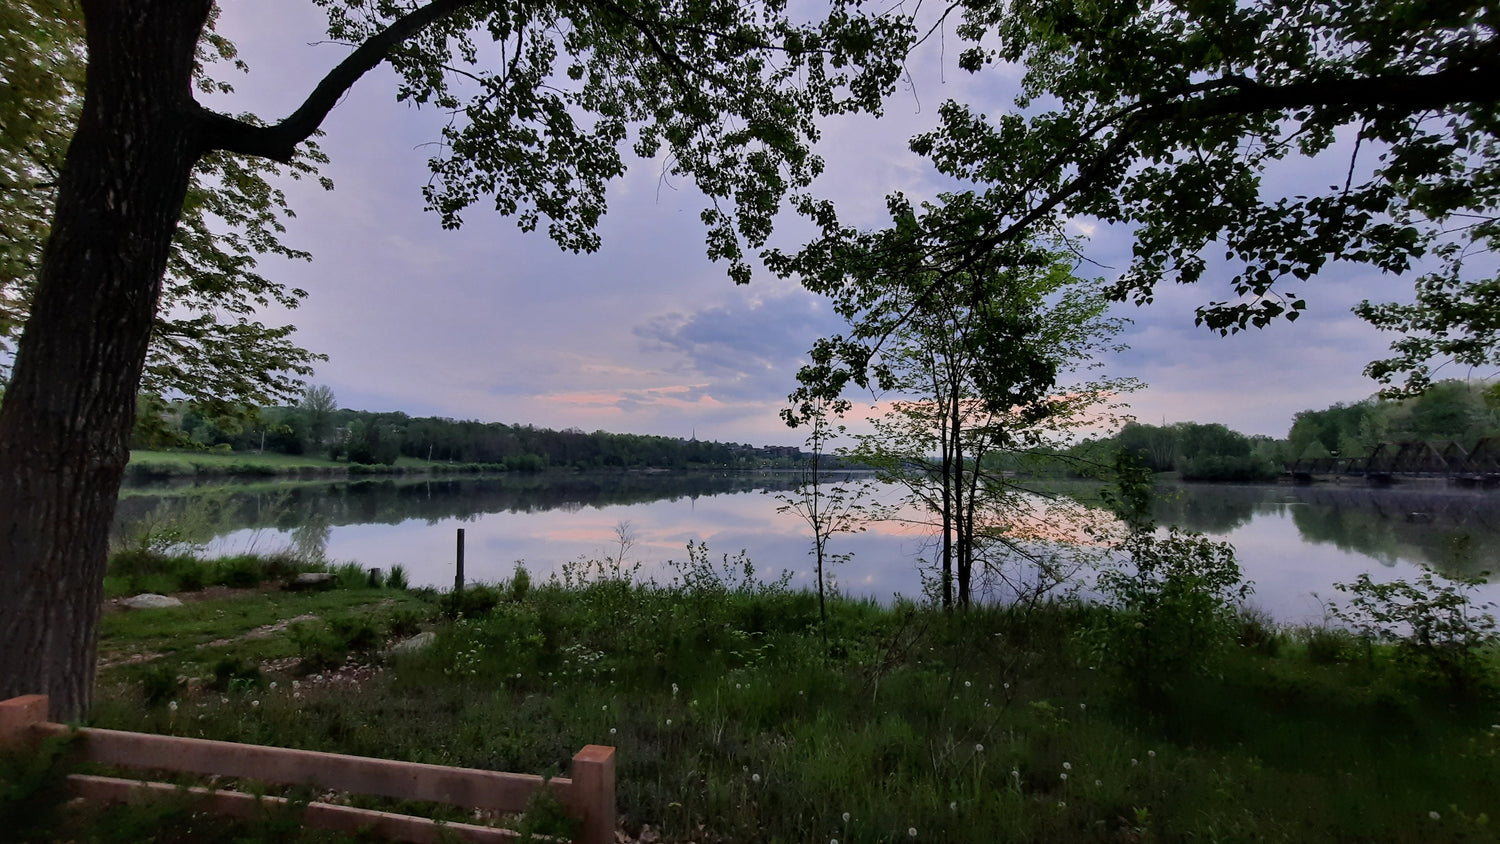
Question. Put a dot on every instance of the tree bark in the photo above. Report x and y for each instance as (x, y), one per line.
(68, 411)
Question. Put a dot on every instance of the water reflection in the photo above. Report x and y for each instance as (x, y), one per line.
(1292, 541)
(1454, 531)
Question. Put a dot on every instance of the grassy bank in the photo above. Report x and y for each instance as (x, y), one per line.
(167, 465)
(734, 722)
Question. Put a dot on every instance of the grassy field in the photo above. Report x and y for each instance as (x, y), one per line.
(146, 465)
(733, 722)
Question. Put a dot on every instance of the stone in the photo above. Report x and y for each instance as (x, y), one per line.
(149, 601)
(311, 580)
(415, 643)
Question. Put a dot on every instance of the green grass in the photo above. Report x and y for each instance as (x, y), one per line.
(733, 724)
(149, 465)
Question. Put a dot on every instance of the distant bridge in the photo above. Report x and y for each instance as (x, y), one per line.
(1412, 459)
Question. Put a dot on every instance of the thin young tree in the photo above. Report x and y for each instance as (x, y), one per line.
(827, 507)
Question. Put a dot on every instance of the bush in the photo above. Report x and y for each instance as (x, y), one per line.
(471, 601)
(160, 684)
(1175, 607)
(1436, 627)
(1327, 645)
(240, 572)
(1258, 632)
(234, 673)
(1245, 469)
(520, 584)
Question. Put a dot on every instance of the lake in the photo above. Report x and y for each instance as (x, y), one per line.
(1293, 542)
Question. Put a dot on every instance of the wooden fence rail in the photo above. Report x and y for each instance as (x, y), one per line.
(589, 793)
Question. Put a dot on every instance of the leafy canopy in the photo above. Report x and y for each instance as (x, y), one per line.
(545, 95)
(206, 345)
(1168, 118)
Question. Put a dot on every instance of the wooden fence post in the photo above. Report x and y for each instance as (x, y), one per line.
(593, 795)
(458, 577)
(18, 715)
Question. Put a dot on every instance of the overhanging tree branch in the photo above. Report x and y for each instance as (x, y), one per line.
(279, 142)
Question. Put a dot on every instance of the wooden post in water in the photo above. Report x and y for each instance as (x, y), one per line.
(458, 577)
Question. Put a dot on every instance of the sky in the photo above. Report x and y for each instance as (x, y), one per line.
(647, 335)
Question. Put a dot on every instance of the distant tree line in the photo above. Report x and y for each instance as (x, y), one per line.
(1457, 411)
(1202, 452)
(317, 426)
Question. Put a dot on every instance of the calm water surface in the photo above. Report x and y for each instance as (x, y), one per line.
(1293, 542)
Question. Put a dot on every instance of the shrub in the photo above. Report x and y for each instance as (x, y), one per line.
(160, 684)
(1258, 632)
(406, 623)
(520, 584)
(477, 600)
(1175, 607)
(1436, 627)
(242, 572)
(1327, 645)
(234, 673)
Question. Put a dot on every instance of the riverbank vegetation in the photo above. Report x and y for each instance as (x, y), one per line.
(1452, 411)
(736, 722)
(316, 434)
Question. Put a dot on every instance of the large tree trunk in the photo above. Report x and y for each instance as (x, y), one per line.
(68, 411)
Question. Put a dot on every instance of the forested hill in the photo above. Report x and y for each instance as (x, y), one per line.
(380, 438)
(1448, 411)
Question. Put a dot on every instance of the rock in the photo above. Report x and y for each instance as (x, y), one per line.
(311, 580)
(415, 643)
(148, 601)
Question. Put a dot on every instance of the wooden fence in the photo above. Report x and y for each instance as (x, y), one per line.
(589, 794)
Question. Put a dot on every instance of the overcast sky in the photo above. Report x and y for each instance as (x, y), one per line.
(647, 335)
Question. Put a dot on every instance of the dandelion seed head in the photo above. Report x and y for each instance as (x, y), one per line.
(846, 817)
(1067, 766)
(1435, 816)
(1063, 776)
(978, 748)
(912, 832)
(755, 778)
